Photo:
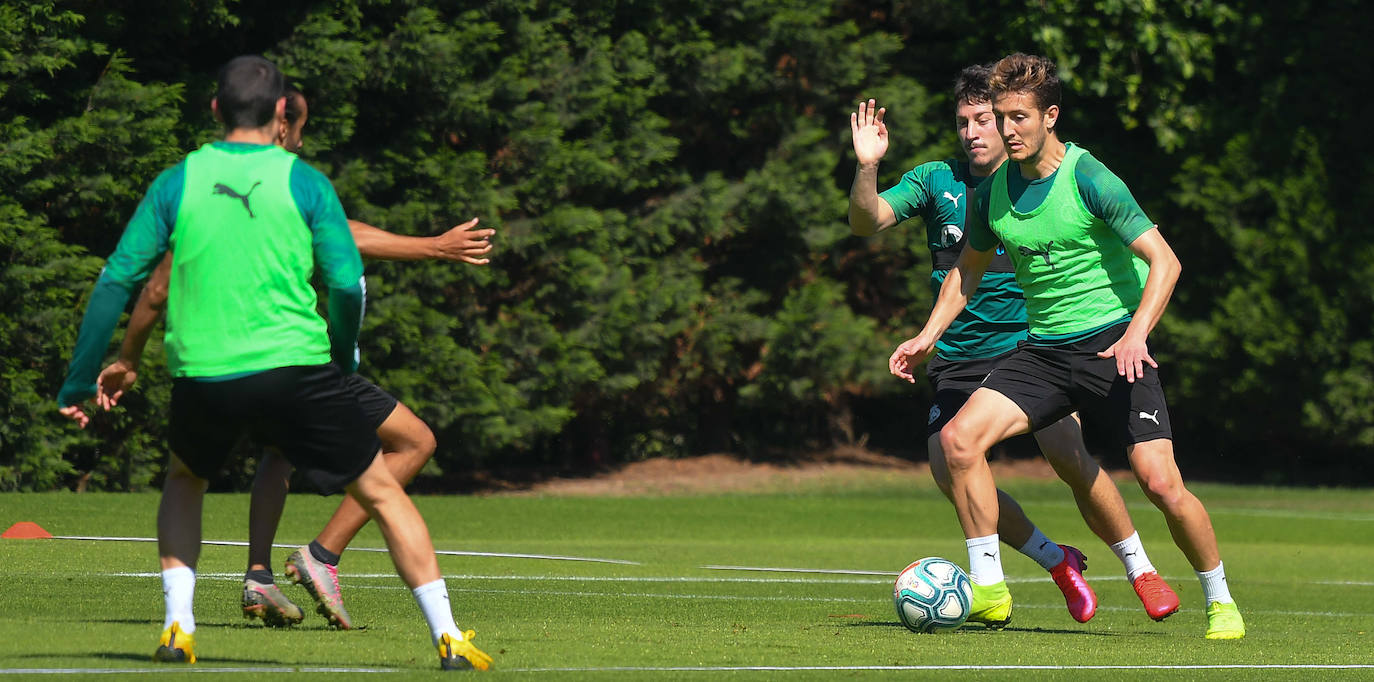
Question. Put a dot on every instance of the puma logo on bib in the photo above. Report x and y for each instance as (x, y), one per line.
(226, 190)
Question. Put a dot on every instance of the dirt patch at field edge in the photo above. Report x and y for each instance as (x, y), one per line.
(729, 473)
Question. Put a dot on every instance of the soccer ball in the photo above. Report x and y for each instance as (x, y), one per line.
(931, 595)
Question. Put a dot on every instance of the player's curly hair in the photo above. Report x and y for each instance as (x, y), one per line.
(972, 84)
(1027, 74)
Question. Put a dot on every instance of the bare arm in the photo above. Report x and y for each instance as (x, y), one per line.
(1131, 349)
(868, 213)
(120, 375)
(959, 285)
(147, 312)
(462, 243)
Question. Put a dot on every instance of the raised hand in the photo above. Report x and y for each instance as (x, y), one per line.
(465, 243)
(869, 132)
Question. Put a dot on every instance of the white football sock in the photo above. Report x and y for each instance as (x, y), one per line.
(433, 599)
(1132, 555)
(984, 560)
(1042, 550)
(1214, 585)
(178, 590)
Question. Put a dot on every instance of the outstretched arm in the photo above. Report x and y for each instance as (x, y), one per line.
(461, 243)
(1131, 350)
(958, 287)
(140, 247)
(868, 213)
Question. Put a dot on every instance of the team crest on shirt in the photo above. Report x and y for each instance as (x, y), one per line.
(950, 235)
(934, 414)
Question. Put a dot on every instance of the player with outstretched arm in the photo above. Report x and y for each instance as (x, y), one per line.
(248, 223)
(407, 442)
(1097, 275)
(989, 329)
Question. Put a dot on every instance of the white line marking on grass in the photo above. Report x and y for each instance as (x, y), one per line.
(236, 543)
(549, 578)
(781, 598)
(976, 668)
(1038, 579)
(1215, 508)
(769, 569)
(188, 669)
(638, 579)
(683, 580)
(1290, 514)
(643, 595)
(890, 575)
(728, 668)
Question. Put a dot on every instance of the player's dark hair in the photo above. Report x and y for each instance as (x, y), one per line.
(249, 87)
(1027, 74)
(972, 85)
(294, 99)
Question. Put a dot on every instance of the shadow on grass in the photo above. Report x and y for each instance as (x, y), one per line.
(228, 625)
(148, 658)
(975, 629)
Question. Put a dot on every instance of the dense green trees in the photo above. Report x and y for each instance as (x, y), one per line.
(668, 181)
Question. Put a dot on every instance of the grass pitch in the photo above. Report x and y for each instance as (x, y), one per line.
(1298, 563)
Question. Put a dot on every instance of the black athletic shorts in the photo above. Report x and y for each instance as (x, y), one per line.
(954, 381)
(308, 413)
(1049, 382)
(377, 404)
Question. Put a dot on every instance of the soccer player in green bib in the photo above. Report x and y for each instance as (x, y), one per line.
(1097, 275)
(248, 224)
(989, 329)
(407, 442)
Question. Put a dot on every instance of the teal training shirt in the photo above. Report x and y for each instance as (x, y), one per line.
(154, 224)
(1070, 242)
(994, 321)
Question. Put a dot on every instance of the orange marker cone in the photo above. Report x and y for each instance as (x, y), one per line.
(25, 530)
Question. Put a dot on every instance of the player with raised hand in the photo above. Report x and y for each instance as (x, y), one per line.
(251, 224)
(407, 442)
(1097, 275)
(988, 330)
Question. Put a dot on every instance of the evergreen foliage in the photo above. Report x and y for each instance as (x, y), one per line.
(668, 181)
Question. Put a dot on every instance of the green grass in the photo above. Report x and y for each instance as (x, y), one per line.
(1298, 563)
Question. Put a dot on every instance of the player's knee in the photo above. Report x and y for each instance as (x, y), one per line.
(1079, 473)
(1164, 491)
(960, 445)
(408, 435)
(423, 443)
(371, 492)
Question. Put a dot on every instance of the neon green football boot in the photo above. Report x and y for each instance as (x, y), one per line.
(175, 646)
(460, 654)
(1224, 621)
(991, 605)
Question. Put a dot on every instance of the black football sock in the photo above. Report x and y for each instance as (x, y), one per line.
(321, 554)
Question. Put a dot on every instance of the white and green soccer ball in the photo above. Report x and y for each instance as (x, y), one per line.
(932, 594)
